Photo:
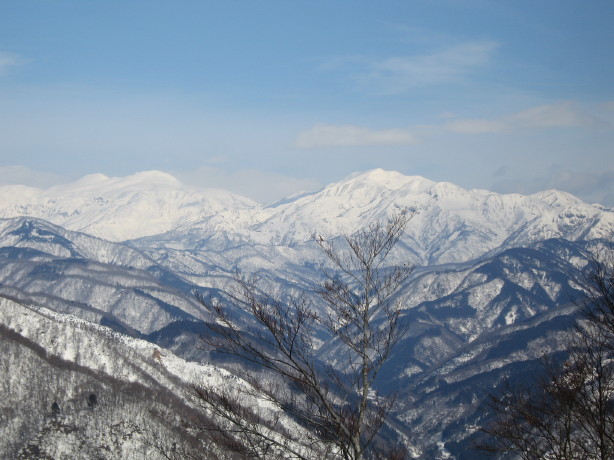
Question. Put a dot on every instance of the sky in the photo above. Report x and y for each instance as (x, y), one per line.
(272, 97)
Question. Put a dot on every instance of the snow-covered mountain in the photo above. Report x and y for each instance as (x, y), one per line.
(98, 280)
(118, 209)
(73, 389)
(451, 224)
(470, 324)
(495, 276)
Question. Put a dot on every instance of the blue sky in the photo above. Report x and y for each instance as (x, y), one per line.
(266, 98)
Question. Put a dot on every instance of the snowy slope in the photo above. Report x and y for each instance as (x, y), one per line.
(90, 277)
(469, 323)
(145, 403)
(491, 292)
(118, 209)
(142, 391)
(451, 224)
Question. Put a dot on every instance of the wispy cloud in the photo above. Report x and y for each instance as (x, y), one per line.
(476, 126)
(558, 115)
(565, 114)
(21, 175)
(9, 60)
(401, 73)
(322, 135)
(590, 187)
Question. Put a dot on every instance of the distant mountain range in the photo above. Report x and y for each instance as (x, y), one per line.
(493, 289)
(451, 224)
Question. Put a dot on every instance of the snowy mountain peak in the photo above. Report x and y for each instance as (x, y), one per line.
(153, 177)
(96, 178)
(391, 180)
(451, 223)
(120, 208)
(558, 198)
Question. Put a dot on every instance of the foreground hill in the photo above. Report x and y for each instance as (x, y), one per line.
(71, 389)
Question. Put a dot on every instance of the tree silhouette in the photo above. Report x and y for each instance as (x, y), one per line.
(337, 410)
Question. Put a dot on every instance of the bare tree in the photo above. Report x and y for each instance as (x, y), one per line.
(329, 410)
(569, 412)
(598, 307)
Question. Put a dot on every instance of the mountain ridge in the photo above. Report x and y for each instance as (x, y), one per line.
(450, 223)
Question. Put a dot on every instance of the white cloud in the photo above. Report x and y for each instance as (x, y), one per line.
(562, 114)
(322, 135)
(8, 60)
(590, 187)
(558, 115)
(401, 73)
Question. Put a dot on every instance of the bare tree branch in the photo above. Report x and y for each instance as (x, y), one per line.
(569, 413)
(336, 407)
